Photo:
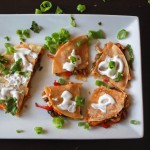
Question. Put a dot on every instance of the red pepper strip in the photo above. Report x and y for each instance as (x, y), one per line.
(106, 80)
(50, 56)
(56, 83)
(68, 73)
(44, 107)
(104, 125)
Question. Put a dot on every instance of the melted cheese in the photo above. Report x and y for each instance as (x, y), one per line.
(7, 92)
(16, 80)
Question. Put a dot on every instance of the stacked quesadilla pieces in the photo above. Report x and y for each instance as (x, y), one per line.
(108, 106)
(14, 84)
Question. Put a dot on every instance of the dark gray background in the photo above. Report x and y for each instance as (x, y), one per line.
(139, 8)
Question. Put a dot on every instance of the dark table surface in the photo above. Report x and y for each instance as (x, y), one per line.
(139, 8)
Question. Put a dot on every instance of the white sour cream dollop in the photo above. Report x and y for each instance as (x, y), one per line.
(16, 80)
(21, 53)
(69, 66)
(111, 73)
(67, 103)
(103, 102)
(7, 92)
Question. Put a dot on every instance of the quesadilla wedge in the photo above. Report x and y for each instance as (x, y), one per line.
(112, 66)
(62, 100)
(14, 84)
(106, 107)
(72, 57)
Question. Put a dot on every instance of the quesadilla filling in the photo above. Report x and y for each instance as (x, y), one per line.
(14, 85)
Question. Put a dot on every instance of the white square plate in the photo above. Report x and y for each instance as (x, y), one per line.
(32, 116)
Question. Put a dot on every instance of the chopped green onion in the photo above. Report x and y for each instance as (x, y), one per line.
(35, 27)
(62, 81)
(11, 105)
(58, 121)
(79, 101)
(3, 69)
(81, 8)
(122, 34)
(38, 11)
(7, 38)
(99, 83)
(25, 74)
(79, 43)
(73, 59)
(96, 34)
(59, 10)
(22, 39)
(85, 124)
(16, 66)
(56, 39)
(3, 59)
(39, 130)
(19, 131)
(100, 23)
(6, 71)
(131, 57)
(148, 1)
(119, 77)
(135, 122)
(19, 32)
(111, 65)
(26, 33)
(9, 48)
(72, 21)
(45, 6)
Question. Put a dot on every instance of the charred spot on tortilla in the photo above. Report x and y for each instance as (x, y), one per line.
(63, 100)
(106, 107)
(72, 57)
(112, 65)
(15, 86)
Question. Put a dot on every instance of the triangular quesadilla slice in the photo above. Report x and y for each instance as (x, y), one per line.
(15, 78)
(106, 107)
(62, 99)
(112, 66)
(72, 57)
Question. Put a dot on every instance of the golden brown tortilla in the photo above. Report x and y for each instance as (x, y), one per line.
(24, 88)
(65, 50)
(96, 115)
(56, 91)
(112, 50)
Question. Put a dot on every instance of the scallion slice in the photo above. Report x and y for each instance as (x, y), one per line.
(96, 34)
(111, 65)
(45, 6)
(122, 34)
(39, 130)
(81, 8)
(79, 101)
(119, 77)
(99, 83)
(59, 10)
(135, 122)
(59, 122)
(62, 81)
